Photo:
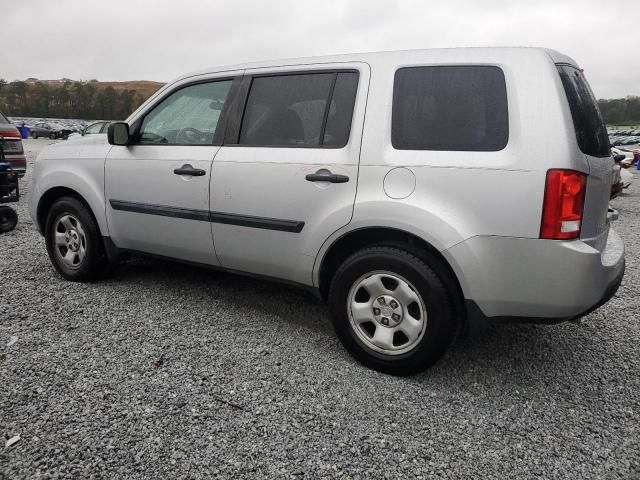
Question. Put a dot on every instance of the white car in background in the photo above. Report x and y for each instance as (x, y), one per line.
(628, 154)
(93, 129)
(626, 175)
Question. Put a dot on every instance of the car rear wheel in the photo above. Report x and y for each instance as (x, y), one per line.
(391, 310)
(73, 241)
(53, 136)
(34, 135)
(8, 219)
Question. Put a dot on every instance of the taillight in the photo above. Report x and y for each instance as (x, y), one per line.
(10, 134)
(563, 204)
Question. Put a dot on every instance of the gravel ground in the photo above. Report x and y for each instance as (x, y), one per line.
(165, 370)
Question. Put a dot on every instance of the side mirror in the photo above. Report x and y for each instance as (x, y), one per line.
(118, 134)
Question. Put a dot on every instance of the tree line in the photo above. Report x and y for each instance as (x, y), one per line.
(621, 111)
(86, 101)
(72, 99)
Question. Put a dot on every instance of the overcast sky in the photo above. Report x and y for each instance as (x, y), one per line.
(162, 39)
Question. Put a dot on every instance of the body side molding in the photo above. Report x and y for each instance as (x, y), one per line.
(278, 224)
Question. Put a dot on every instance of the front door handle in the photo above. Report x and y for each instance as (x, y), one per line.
(187, 169)
(327, 177)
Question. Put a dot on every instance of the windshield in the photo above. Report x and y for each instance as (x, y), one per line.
(591, 132)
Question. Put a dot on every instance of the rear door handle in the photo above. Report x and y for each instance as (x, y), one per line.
(327, 177)
(187, 169)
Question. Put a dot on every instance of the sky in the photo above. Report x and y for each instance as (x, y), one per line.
(162, 39)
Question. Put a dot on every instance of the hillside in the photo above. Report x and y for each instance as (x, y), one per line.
(145, 88)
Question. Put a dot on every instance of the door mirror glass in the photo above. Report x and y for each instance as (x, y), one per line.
(118, 134)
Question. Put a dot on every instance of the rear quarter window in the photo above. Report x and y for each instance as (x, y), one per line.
(591, 132)
(457, 108)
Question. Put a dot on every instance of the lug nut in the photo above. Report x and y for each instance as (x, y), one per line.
(376, 311)
(395, 316)
(384, 321)
(393, 304)
(381, 301)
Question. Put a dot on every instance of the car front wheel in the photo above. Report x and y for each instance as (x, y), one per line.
(391, 310)
(73, 241)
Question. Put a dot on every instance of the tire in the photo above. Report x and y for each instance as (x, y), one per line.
(53, 136)
(8, 219)
(415, 302)
(73, 241)
(34, 135)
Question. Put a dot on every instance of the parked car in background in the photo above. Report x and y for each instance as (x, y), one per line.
(13, 148)
(624, 137)
(460, 216)
(616, 181)
(628, 154)
(50, 130)
(629, 160)
(97, 128)
(631, 140)
(626, 176)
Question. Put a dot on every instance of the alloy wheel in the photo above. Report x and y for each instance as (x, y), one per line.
(386, 312)
(70, 243)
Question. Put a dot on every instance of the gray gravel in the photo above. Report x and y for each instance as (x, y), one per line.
(165, 370)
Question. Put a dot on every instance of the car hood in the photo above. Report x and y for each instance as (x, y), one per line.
(89, 147)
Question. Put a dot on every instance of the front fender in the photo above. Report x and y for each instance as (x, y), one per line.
(80, 170)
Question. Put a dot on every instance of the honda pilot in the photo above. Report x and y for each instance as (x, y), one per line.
(408, 189)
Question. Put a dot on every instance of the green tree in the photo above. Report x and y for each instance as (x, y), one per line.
(621, 111)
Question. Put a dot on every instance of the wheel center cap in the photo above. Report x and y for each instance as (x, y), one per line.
(73, 241)
(387, 311)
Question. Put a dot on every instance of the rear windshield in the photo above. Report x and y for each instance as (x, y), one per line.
(591, 132)
(3, 119)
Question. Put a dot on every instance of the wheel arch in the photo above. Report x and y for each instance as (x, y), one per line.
(355, 240)
(47, 200)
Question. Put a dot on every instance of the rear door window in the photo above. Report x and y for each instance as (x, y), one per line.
(299, 110)
(458, 108)
(591, 132)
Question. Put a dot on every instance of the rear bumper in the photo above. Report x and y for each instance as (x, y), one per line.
(477, 320)
(532, 280)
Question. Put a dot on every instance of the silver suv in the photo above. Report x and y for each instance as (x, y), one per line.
(422, 193)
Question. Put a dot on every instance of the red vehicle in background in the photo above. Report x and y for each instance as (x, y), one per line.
(13, 149)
